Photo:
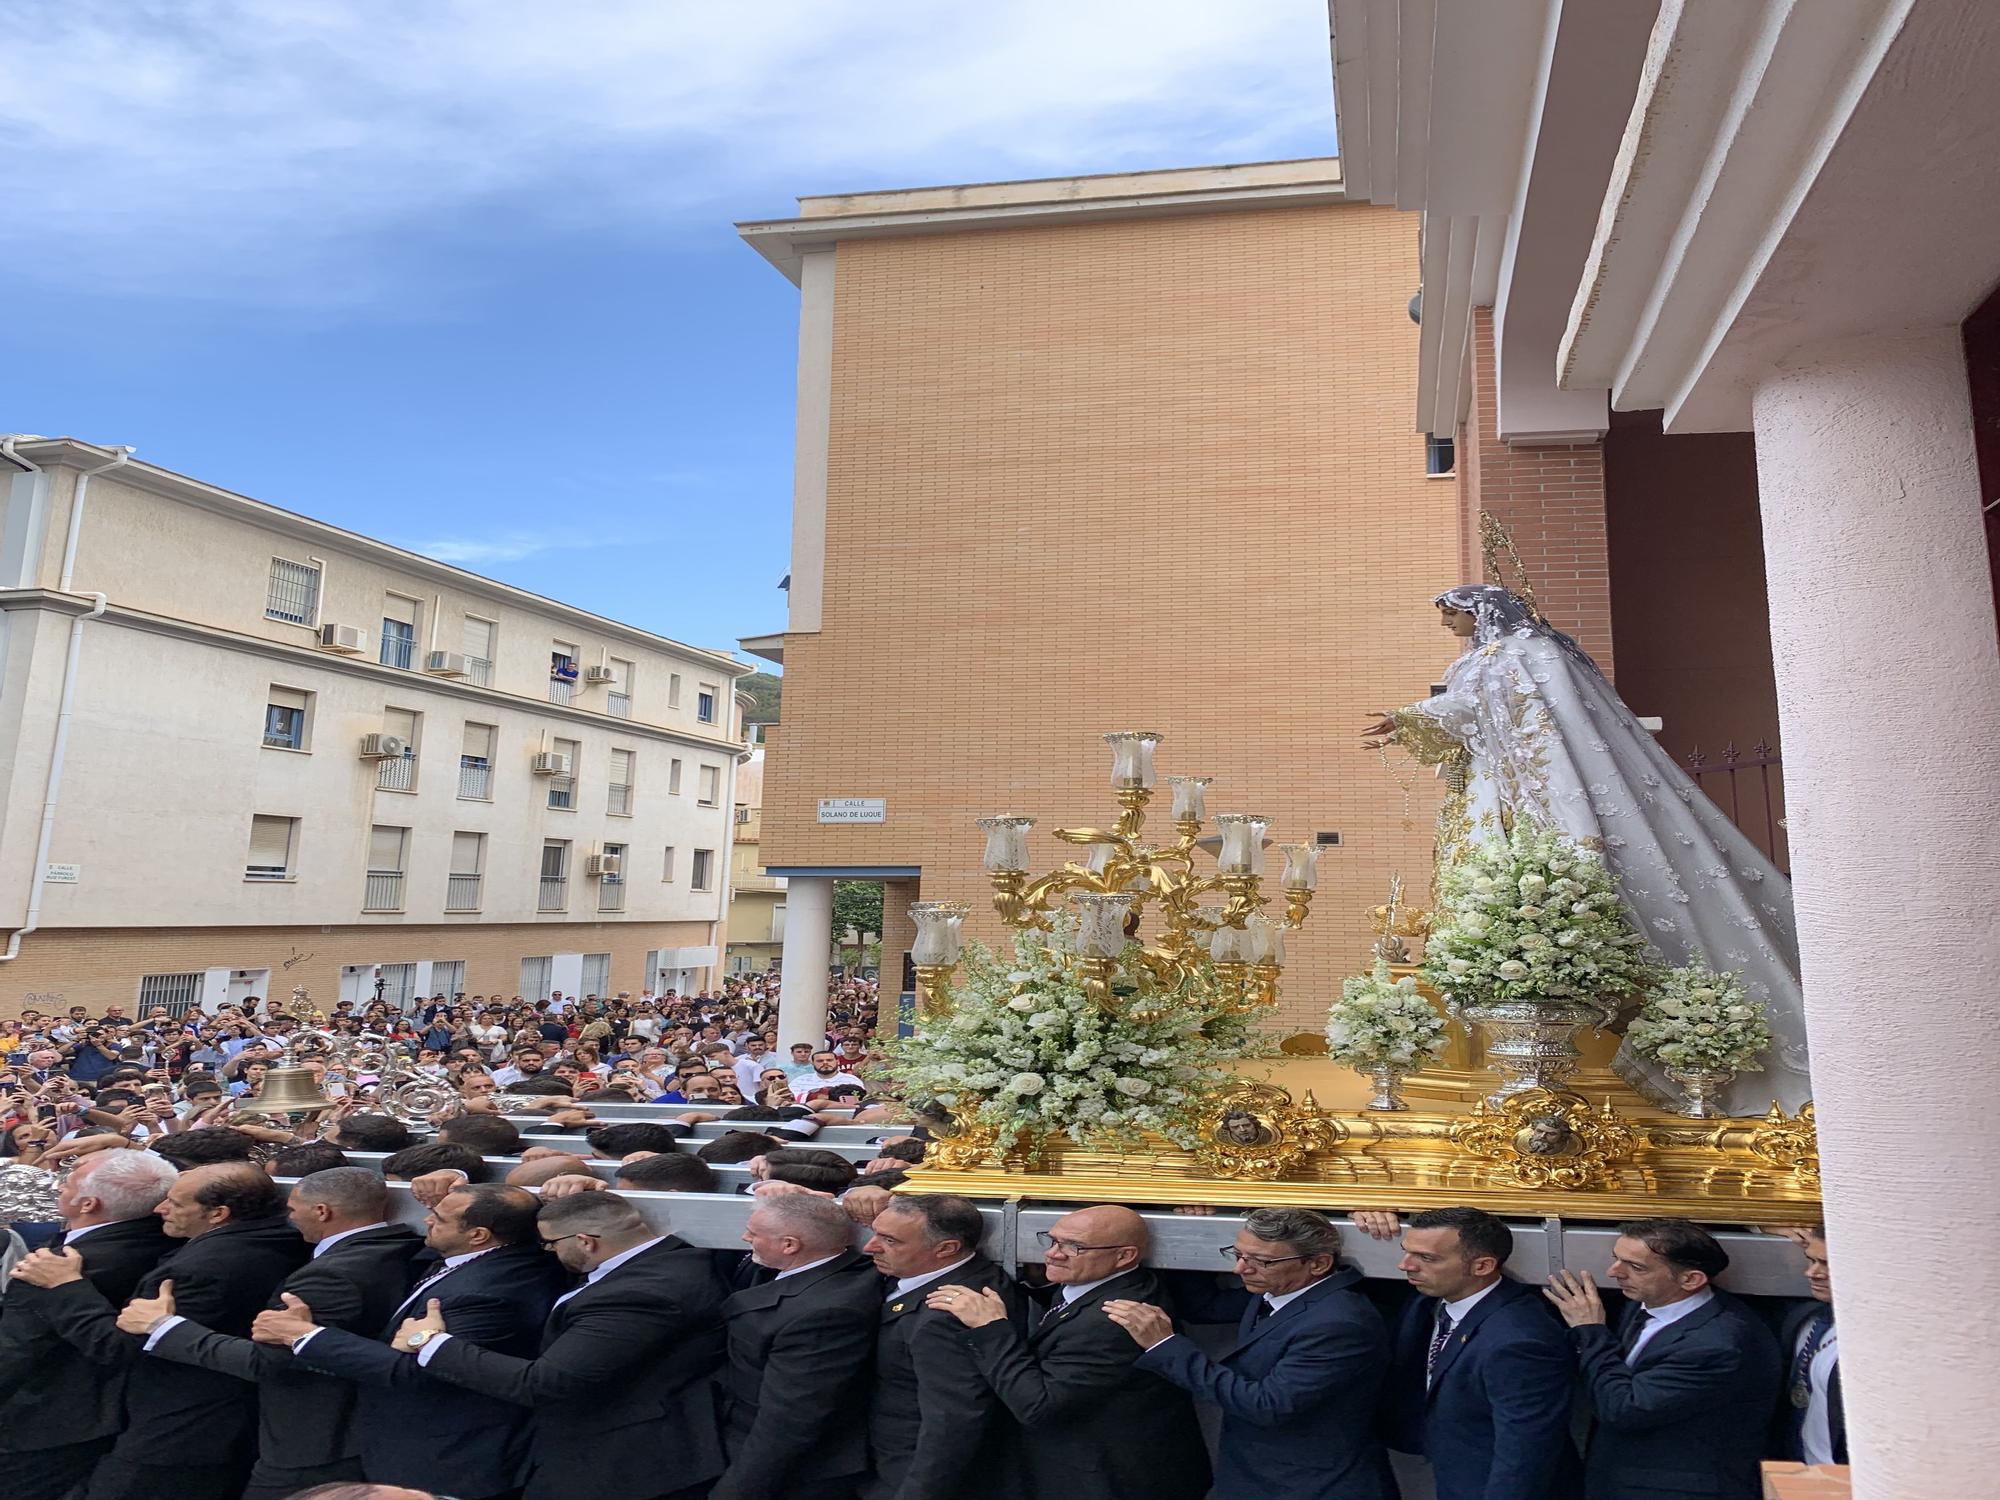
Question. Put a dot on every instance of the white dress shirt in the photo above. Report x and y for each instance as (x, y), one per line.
(908, 1284)
(1816, 1431)
(809, 1265)
(437, 1340)
(71, 1236)
(1456, 1311)
(1659, 1317)
(334, 1239)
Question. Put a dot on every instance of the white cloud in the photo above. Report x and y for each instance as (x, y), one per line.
(270, 151)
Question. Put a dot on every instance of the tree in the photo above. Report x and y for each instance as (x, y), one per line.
(857, 904)
(766, 688)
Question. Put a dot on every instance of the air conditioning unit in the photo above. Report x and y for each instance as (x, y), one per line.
(444, 664)
(383, 747)
(599, 674)
(549, 763)
(345, 639)
(601, 864)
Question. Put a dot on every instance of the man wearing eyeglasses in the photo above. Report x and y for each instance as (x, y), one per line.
(1089, 1423)
(1298, 1387)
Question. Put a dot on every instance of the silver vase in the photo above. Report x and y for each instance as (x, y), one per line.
(1703, 1088)
(1387, 1078)
(1531, 1044)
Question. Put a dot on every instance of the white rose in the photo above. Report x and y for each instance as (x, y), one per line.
(1739, 1012)
(1022, 1003)
(1529, 913)
(1513, 969)
(1134, 1088)
(1457, 967)
(1533, 885)
(1026, 1083)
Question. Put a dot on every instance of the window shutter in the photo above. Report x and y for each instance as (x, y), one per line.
(479, 741)
(271, 843)
(281, 697)
(465, 852)
(385, 848)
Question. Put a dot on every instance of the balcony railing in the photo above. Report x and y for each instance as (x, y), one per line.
(384, 891)
(396, 775)
(618, 800)
(562, 690)
(475, 783)
(618, 705)
(396, 650)
(562, 791)
(462, 893)
(611, 894)
(478, 669)
(555, 894)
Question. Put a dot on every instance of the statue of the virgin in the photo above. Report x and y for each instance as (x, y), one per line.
(1537, 731)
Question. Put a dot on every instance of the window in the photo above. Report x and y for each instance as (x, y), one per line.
(179, 993)
(272, 841)
(704, 703)
(399, 772)
(673, 690)
(704, 866)
(562, 789)
(447, 976)
(478, 643)
(396, 984)
(618, 795)
(285, 711)
(596, 974)
(778, 922)
(555, 875)
(399, 631)
(742, 814)
(386, 848)
(673, 778)
(475, 764)
(611, 889)
(293, 593)
(667, 865)
(468, 867)
(536, 975)
(710, 785)
(618, 701)
(562, 673)
(1439, 455)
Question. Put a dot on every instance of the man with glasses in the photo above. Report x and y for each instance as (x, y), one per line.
(1089, 1423)
(1298, 1386)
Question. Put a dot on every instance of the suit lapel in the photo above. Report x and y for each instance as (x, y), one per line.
(1125, 1284)
(1256, 1328)
(1462, 1334)
(1679, 1329)
(771, 1293)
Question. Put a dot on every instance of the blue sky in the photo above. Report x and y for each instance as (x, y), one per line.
(461, 274)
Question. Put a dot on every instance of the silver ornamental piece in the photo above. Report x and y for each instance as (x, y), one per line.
(1702, 1088)
(1531, 1044)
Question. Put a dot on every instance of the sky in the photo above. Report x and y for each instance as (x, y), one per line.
(461, 274)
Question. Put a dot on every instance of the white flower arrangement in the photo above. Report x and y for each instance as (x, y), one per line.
(1698, 1018)
(1380, 1021)
(1025, 1050)
(1533, 916)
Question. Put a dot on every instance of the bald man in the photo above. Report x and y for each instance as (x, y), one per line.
(1087, 1423)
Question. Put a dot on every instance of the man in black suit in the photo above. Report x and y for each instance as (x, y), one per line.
(1682, 1392)
(188, 1433)
(632, 1352)
(1298, 1387)
(60, 1410)
(795, 1397)
(359, 1271)
(1812, 1417)
(1482, 1379)
(933, 1424)
(1088, 1423)
(496, 1283)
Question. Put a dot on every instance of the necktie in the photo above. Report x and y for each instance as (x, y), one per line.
(1439, 1339)
(417, 1290)
(1635, 1325)
(1055, 1310)
(1264, 1310)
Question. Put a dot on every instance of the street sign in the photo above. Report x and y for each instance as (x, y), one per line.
(853, 810)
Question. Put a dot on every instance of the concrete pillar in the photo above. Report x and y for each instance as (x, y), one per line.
(1889, 700)
(808, 946)
(898, 932)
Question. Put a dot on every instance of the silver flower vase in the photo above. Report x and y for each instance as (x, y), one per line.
(1387, 1078)
(1531, 1044)
(1703, 1088)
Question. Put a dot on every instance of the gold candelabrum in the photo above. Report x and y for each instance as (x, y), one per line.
(1122, 876)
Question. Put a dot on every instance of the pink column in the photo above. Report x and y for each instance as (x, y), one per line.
(1889, 699)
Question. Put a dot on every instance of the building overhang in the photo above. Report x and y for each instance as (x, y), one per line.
(769, 648)
(826, 220)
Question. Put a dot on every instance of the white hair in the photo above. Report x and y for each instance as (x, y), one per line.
(130, 1184)
(816, 1223)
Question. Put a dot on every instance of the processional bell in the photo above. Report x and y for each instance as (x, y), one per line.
(290, 1091)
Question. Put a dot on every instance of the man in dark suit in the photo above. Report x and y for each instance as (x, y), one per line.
(933, 1424)
(496, 1283)
(359, 1271)
(60, 1410)
(631, 1353)
(1682, 1392)
(1088, 1423)
(188, 1433)
(795, 1398)
(1812, 1418)
(1482, 1379)
(1297, 1389)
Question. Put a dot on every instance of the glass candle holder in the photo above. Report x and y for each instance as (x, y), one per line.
(1242, 851)
(1190, 797)
(1301, 867)
(1098, 857)
(1132, 756)
(1229, 945)
(1006, 843)
(1266, 940)
(1100, 924)
(939, 924)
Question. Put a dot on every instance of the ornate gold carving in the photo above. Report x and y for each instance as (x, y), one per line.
(1427, 741)
(1255, 1133)
(1543, 1138)
(967, 1147)
(1790, 1143)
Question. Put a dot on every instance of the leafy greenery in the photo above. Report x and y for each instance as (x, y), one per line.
(1382, 1021)
(1698, 1018)
(856, 904)
(766, 688)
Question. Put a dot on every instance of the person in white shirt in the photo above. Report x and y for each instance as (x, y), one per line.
(1811, 1345)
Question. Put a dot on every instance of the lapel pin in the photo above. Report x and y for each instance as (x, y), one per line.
(896, 1307)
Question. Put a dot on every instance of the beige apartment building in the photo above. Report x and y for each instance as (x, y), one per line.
(1100, 453)
(756, 898)
(245, 751)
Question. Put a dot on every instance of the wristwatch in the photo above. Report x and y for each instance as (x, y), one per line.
(418, 1339)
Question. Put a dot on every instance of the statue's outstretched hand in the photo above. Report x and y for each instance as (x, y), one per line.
(1381, 731)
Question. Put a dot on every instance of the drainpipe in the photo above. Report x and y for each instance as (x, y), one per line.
(66, 703)
(718, 930)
